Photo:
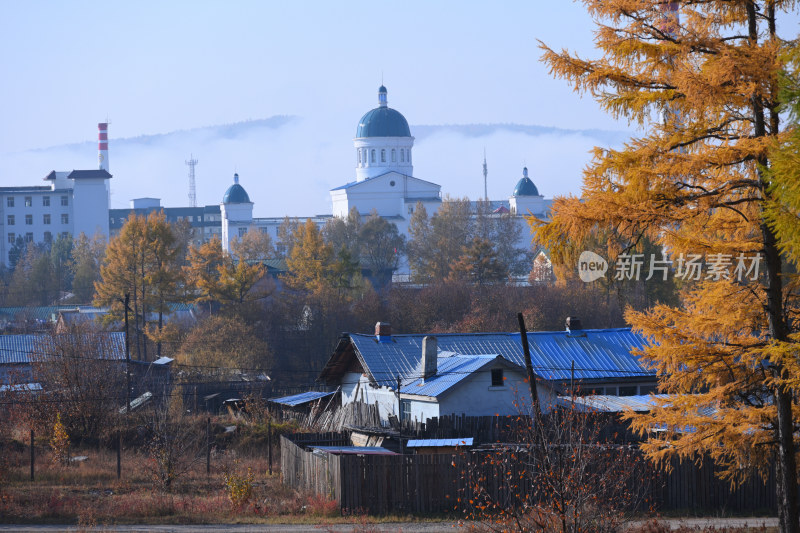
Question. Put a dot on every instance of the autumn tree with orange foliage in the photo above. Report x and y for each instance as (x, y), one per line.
(701, 79)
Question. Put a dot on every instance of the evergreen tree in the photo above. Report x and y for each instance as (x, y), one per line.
(696, 183)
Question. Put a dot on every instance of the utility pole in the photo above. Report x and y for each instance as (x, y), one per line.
(127, 357)
(529, 366)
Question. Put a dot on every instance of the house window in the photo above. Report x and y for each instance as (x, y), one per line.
(11, 220)
(394, 155)
(48, 237)
(10, 201)
(64, 218)
(497, 377)
(46, 218)
(46, 201)
(29, 237)
(372, 156)
(242, 231)
(402, 156)
(11, 238)
(28, 201)
(405, 410)
(64, 200)
(65, 235)
(627, 391)
(359, 157)
(383, 156)
(647, 389)
(29, 220)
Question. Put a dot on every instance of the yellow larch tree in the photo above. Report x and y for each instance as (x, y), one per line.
(701, 81)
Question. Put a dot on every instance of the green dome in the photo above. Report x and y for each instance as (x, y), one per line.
(236, 193)
(525, 186)
(383, 121)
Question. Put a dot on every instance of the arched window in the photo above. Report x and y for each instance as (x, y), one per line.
(402, 156)
(359, 157)
(394, 155)
(383, 156)
(372, 156)
(408, 155)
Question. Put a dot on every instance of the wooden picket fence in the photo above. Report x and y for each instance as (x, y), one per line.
(381, 484)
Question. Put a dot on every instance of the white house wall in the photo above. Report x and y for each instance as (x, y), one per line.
(476, 397)
(357, 388)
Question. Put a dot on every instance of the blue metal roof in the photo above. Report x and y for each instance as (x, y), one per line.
(18, 349)
(598, 354)
(298, 399)
(451, 369)
(383, 122)
(436, 443)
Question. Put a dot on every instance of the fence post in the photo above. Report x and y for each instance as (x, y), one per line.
(208, 446)
(269, 444)
(119, 454)
(32, 455)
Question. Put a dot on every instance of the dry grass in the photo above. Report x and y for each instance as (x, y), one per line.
(89, 493)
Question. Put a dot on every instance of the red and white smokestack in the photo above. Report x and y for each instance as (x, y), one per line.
(102, 145)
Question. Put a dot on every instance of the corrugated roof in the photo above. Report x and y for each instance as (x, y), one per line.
(452, 368)
(438, 443)
(43, 313)
(612, 404)
(298, 399)
(18, 349)
(354, 450)
(598, 354)
(89, 174)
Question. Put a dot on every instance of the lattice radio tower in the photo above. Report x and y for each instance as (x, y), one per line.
(485, 177)
(192, 162)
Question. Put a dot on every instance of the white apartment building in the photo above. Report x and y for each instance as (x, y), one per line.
(74, 202)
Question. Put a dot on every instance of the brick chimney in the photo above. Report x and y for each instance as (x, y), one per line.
(383, 331)
(573, 323)
(429, 357)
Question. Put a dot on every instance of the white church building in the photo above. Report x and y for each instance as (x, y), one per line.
(77, 201)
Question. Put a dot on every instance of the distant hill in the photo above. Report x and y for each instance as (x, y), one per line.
(482, 130)
(235, 130)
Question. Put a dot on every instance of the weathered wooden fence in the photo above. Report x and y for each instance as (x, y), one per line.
(490, 429)
(306, 470)
(383, 484)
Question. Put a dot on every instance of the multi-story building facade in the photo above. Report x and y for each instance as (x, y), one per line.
(74, 202)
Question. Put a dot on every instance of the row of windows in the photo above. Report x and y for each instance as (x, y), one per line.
(28, 237)
(29, 201)
(12, 220)
(404, 154)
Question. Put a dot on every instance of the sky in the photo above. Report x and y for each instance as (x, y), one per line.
(165, 73)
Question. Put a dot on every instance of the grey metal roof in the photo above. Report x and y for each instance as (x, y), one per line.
(437, 443)
(42, 313)
(19, 349)
(354, 450)
(612, 404)
(451, 369)
(298, 399)
(84, 174)
(598, 354)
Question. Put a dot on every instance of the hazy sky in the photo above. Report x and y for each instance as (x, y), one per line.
(158, 67)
